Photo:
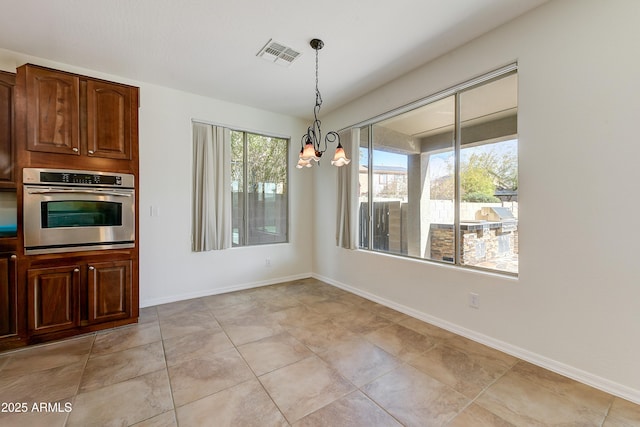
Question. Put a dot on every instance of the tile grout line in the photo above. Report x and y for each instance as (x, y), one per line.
(333, 401)
(437, 342)
(363, 337)
(313, 353)
(131, 348)
(407, 364)
(356, 388)
(373, 400)
(256, 377)
(273, 401)
(166, 367)
(84, 368)
(472, 401)
(606, 415)
(253, 372)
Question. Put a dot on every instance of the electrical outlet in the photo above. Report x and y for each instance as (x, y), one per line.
(474, 300)
(267, 262)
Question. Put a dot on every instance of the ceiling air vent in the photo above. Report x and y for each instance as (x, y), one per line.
(278, 53)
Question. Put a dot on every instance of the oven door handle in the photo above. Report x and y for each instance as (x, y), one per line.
(96, 192)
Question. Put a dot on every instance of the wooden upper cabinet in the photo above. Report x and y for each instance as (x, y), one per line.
(108, 120)
(7, 83)
(53, 101)
(79, 115)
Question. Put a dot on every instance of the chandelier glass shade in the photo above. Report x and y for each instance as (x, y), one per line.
(312, 143)
(340, 158)
(303, 163)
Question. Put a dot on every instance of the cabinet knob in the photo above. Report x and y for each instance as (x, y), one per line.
(14, 257)
(91, 267)
(90, 151)
(75, 149)
(76, 270)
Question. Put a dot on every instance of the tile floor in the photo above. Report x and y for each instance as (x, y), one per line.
(302, 354)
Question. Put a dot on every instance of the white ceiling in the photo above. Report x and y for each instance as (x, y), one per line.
(489, 101)
(209, 47)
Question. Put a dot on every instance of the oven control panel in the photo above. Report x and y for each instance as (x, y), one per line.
(73, 177)
(79, 178)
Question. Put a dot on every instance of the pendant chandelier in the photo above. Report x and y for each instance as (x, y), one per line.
(311, 148)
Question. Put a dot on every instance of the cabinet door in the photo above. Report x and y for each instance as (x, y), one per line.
(108, 120)
(109, 291)
(8, 290)
(53, 295)
(52, 111)
(7, 83)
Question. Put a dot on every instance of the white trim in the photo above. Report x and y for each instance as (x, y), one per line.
(217, 291)
(584, 377)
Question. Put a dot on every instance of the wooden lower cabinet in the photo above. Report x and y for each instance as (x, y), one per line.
(53, 298)
(109, 291)
(8, 289)
(65, 297)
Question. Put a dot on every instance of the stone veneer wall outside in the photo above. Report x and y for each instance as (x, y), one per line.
(480, 242)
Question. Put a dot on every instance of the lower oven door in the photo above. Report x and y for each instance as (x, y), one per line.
(64, 219)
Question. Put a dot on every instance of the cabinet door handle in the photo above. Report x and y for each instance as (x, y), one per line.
(90, 151)
(14, 257)
(76, 270)
(91, 267)
(75, 149)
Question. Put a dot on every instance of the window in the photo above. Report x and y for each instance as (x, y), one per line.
(258, 189)
(439, 180)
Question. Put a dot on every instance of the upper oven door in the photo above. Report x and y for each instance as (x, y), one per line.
(58, 219)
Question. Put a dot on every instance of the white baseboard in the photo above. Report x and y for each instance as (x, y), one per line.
(584, 377)
(207, 292)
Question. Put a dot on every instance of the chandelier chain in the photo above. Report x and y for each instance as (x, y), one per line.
(318, 96)
(312, 143)
(315, 132)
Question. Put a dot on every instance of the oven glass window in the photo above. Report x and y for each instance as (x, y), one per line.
(75, 213)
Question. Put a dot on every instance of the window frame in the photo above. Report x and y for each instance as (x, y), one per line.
(456, 92)
(243, 237)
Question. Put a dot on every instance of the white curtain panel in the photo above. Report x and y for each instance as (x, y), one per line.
(347, 203)
(211, 187)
